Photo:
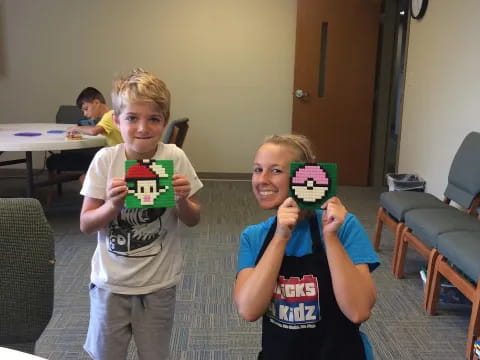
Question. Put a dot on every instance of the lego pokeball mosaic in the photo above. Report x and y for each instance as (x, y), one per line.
(312, 184)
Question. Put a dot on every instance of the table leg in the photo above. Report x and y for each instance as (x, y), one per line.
(28, 156)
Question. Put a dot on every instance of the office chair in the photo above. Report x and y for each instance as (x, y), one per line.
(176, 132)
(66, 170)
(27, 263)
(68, 114)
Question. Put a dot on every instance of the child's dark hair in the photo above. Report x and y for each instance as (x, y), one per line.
(88, 95)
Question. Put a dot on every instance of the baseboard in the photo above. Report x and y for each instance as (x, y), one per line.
(224, 176)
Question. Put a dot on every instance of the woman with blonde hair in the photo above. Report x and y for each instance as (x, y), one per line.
(307, 273)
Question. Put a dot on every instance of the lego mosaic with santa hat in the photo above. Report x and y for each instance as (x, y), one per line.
(149, 184)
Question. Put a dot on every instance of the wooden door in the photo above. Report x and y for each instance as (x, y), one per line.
(335, 62)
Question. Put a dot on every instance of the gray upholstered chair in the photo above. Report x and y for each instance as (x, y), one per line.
(27, 267)
(457, 251)
(394, 205)
(422, 226)
(176, 132)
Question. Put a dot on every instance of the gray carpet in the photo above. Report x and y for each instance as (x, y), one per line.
(207, 326)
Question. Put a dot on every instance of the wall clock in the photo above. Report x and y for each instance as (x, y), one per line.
(418, 8)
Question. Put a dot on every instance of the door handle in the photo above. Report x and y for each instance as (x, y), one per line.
(300, 94)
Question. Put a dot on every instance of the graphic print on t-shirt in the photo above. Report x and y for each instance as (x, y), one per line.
(137, 232)
(295, 303)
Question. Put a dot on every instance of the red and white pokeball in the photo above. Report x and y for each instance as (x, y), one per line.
(310, 183)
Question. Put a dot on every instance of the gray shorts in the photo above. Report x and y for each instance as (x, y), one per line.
(114, 318)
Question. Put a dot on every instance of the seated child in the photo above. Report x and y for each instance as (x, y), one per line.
(94, 107)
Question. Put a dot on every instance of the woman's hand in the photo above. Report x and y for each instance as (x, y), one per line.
(352, 284)
(254, 286)
(287, 217)
(333, 215)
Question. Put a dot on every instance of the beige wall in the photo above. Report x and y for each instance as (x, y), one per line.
(228, 63)
(442, 95)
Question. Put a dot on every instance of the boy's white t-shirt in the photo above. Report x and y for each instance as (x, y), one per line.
(140, 251)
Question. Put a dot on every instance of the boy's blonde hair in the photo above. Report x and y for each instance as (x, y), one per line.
(140, 86)
(299, 143)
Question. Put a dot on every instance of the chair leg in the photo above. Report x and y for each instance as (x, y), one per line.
(378, 229)
(427, 304)
(433, 281)
(396, 245)
(50, 188)
(401, 252)
(59, 186)
(474, 326)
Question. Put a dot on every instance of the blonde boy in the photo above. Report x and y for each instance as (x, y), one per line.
(138, 259)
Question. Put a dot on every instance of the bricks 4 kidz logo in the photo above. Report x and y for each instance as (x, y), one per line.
(295, 303)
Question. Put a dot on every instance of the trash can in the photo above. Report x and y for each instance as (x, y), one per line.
(448, 293)
(405, 182)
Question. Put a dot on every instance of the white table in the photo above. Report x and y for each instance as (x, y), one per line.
(9, 354)
(44, 142)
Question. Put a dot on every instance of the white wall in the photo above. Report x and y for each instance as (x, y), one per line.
(228, 64)
(442, 93)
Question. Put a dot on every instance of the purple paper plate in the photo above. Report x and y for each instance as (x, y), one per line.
(55, 131)
(27, 134)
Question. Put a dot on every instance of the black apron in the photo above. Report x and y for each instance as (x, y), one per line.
(304, 321)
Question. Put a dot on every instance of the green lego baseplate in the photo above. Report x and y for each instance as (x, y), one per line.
(311, 184)
(149, 184)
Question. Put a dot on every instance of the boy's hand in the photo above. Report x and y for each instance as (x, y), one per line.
(333, 216)
(287, 217)
(116, 192)
(181, 186)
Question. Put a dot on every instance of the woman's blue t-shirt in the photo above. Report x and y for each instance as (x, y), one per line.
(351, 234)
